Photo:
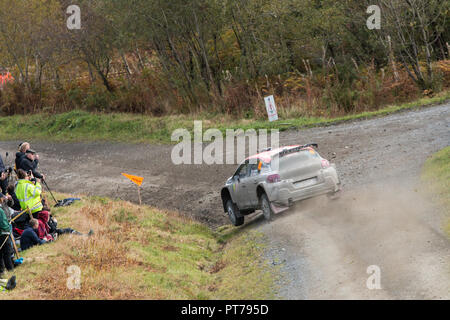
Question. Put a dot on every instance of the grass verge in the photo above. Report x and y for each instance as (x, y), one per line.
(138, 252)
(77, 126)
(436, 174)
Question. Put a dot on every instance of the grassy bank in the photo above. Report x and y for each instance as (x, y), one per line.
(436, 174)
(142, 253)
(83, 126)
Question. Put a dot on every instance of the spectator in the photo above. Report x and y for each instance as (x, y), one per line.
(13, 202)
(28, 193)
(29, 163)
(5, 244)
(43, 229)
(55, 231)
(29, 236)
(3, 177)
(23, 147)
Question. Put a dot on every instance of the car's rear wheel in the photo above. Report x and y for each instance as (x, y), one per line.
(233, 213)
(265, 207)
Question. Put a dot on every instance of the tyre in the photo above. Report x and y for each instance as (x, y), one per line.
(265, 207)
(233, 213)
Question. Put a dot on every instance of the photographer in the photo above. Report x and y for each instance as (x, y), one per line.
(30, 162)
(28, 192)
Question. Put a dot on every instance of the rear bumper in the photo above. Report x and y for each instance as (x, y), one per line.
(285, 193)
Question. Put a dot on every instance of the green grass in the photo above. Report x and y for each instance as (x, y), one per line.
(77, 126)
(138, 252)
(436, 174)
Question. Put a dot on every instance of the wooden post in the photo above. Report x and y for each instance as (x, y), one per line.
(21, 213)
(14, 245)
(139, 194)
(136, 180)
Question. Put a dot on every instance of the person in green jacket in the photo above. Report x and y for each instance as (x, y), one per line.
(5, 244)
(28, 193)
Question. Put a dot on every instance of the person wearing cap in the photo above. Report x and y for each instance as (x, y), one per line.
(28, 163)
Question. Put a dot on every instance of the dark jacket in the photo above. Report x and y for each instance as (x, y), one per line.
(2, 165)
(19, 156)
(14, 203)
(27, 165)
(29, 238)
(22, 222)
(4, 225)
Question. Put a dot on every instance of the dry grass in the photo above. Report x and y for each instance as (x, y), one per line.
(138, 253)
(325, 94)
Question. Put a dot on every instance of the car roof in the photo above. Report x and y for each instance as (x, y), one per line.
(267, 156)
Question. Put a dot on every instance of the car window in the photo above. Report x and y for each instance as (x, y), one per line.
(303, 155)
(265, 167)
(313, 154)
(242, 170)
(254, 170)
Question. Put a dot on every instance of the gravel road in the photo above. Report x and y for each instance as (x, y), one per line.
(323, 247)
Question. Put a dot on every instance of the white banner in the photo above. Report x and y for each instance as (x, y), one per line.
(271, 108)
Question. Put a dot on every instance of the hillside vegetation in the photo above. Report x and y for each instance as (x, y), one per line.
(318, 58)
(78, 125)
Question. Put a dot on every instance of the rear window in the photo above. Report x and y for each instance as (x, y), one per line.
(304, 155)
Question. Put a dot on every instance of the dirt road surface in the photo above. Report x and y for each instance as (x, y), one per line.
(323, 247)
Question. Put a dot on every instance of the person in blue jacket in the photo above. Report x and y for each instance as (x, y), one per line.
(29, 236)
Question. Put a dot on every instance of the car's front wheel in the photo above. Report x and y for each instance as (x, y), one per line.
(265, 207)
(233, 213)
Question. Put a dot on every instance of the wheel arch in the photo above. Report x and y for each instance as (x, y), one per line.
(225, 195)
(260, 190)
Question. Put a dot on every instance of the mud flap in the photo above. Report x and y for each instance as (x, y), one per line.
(278, 209)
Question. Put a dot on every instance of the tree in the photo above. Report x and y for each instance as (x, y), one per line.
(414, 26)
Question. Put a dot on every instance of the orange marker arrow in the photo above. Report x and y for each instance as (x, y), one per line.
(135, 179)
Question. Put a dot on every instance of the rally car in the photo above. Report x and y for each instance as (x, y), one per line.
(273, 180)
